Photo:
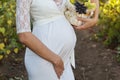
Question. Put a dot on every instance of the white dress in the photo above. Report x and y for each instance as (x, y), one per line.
(51, 27)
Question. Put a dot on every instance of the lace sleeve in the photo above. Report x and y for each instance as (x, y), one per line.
(23, 16)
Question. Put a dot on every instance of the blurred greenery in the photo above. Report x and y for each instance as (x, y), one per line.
(8, 38)
(109, 24)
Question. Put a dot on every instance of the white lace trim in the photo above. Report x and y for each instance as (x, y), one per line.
(23, 16)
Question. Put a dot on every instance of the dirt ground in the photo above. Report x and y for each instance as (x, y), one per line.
(93, 61)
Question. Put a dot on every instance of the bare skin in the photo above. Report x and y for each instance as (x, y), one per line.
(32, 42)
(89, 22)
(39, 48)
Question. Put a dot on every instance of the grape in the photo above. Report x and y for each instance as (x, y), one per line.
(76, 9)
(80, 8)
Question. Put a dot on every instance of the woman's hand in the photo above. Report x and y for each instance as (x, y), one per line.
(59, 67)
(88, 22)
(43, 51)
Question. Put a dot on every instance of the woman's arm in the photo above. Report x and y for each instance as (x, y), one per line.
(39, 48)
(89, 22)
(31, 41)
(96, 13)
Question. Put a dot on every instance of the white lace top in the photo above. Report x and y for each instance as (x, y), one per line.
(39, 11)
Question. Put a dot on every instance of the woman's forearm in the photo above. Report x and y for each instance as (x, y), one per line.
(96, 13)
(37, 46)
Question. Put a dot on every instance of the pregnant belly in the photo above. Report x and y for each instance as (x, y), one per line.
(59, 36)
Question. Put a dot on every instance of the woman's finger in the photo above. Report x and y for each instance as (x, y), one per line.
(59, 67)
(74, 26)
(84, 26)
(84, 19)
(80, 28)
(59, 70)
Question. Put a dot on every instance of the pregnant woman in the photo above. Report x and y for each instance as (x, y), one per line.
(50, 44)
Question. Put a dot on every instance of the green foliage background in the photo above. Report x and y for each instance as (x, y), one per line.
(8, 38)
(110, 22)
(109, 26)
